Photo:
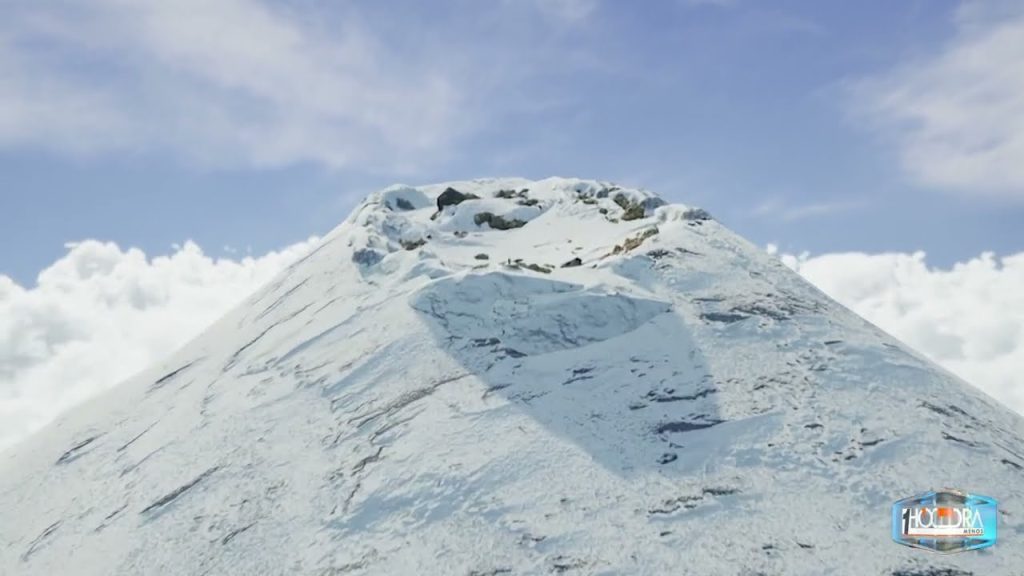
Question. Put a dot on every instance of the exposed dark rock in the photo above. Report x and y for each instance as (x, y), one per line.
(234, 357)
(777, 308)
(361, 465)
(108, 519)
(652, 203)
(697, 214)
(528, 202)
(673, 505)
(402, 401)
(932, 572)
(159, 382)
(667, 457)
(670, 396)
(280, 299)
(452, 197)
(367, 257)
(758, 309)
(412, 244)
(40, 540)
(537, 268)
(634, 212)
(497, 222)
(684, 426)
(719, 491)
(936, 409)
(630, 210)
(577, 379)
(951, 438)
(573, 263)
(562, 564)
(495, 387)
(531, 539)
(725, 317)
(404, 204)
(690, 502)
(958, 410)
(125, 446)
(234, 533)
(635, 241)
(75, 452)
(1012, 463)
(505, 194)
(172, 496)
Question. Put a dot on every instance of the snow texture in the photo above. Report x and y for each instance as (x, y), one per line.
(595, 395)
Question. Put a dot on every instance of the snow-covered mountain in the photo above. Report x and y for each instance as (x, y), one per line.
(553, 377)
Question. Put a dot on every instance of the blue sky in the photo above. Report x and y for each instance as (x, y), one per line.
(818, 126)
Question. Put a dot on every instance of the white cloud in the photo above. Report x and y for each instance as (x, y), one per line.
(957, 116)
(100, 314)
(968, 318)
(248, 82)
(231, 80)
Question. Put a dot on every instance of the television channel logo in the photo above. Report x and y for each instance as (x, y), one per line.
(945, 521)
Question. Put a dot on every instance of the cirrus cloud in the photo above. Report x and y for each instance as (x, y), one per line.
(957, 116)
(253, 83)
(237, 82)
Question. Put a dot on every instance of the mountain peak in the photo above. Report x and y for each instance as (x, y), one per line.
(514, 377)
(464, 213)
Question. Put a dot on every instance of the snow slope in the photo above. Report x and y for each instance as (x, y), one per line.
(426, 394)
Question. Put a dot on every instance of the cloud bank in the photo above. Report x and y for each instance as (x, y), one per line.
(957, 117)
(100, 314)
(968, 318)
